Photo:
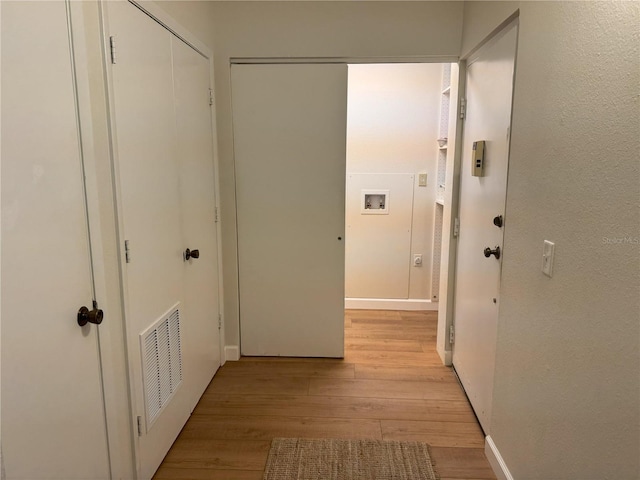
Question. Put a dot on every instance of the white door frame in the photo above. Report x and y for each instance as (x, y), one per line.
(129, 425)
(233, 351)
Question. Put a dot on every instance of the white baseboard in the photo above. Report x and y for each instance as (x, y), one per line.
(446, 357)
(389, 304)
(232, 353)
(495, 460)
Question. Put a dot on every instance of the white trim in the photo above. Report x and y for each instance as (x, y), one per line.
(169, 23)
(410, 304)
(446, 356)
(345, 60)
(495, 460)
(232, 353)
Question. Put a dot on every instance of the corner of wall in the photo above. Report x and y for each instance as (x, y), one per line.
(231, 353)
(480, 20)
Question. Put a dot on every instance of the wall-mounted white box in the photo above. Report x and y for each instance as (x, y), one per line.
(374, 202)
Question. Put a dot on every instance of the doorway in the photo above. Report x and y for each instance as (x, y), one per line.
(289, 181)
(395, 184)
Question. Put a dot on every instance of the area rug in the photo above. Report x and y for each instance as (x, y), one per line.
(328, 459)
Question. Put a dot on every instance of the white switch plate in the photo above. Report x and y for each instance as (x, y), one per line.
(547, 258)
(422, 179)
(417, 260)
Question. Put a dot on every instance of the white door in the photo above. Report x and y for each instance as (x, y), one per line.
(53, 418)
(197, 195)
(166, 179)
(289, 126)
(477, 297)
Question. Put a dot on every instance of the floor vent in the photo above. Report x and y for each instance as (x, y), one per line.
(161, 363)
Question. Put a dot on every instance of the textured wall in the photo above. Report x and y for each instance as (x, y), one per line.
(567, 393)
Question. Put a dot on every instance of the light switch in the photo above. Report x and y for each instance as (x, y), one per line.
(547, 258)
(422, 179)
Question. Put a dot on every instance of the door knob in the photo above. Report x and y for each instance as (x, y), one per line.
(497, 221)
(191, 254)
(94, 316)
(488, 252)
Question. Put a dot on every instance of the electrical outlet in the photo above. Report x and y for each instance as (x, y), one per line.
(417, 260)
(422, 179)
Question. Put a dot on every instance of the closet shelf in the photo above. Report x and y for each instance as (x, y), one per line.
(440, 201)
(442, 148)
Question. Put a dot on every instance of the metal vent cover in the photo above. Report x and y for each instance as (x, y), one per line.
(161, 351)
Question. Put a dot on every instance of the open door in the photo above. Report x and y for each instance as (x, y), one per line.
(53, 413)
(489, 84)
(289, 126)
(166, 189)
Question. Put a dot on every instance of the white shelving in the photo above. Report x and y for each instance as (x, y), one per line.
(440, 182)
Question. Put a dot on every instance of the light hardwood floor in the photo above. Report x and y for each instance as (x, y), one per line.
(390, 385)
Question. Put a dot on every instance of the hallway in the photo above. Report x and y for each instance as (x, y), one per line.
(390, 385)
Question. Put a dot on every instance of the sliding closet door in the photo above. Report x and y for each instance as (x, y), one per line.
(290, 148)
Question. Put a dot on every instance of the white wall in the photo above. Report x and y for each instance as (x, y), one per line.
(566, 385)
(313, 29)
(392, 127)
(566, 395)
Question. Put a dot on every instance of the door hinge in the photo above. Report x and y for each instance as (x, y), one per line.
(456, 227)
(219, 321)
(452, 335)
(139, 422)
(216, 215)
(211, 96)
(463, 108)
(127, 252)
(112, 48)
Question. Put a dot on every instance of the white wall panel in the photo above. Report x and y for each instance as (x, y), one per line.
(378, 247)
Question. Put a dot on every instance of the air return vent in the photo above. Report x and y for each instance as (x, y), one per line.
(161, 362)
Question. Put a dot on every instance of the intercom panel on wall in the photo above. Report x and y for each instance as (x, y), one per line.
(477, 159)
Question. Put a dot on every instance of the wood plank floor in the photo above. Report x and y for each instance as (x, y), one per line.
(390, 385)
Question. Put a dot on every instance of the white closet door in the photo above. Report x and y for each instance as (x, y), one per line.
(165, 163)
(53, 423)
(477, 299)
(197, 187)
(290, 148)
